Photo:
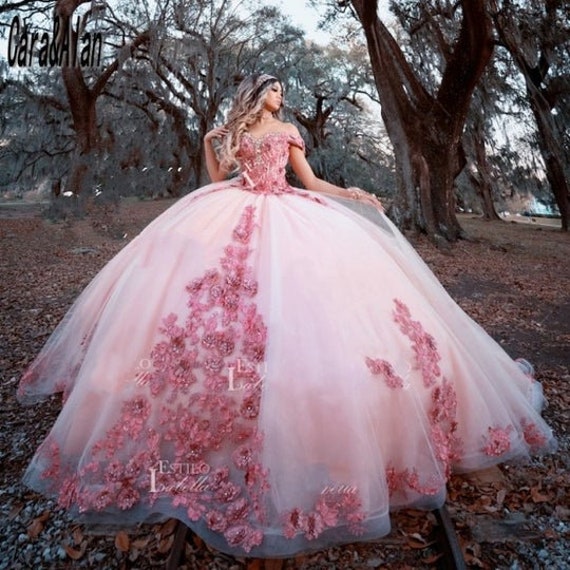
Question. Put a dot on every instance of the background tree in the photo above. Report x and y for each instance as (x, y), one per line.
(537, 36)
(426, 127)
(84, 89)
(329, 94)
(208, 47)
(136, 125)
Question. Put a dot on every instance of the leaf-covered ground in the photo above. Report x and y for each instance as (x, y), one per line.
(514, 280)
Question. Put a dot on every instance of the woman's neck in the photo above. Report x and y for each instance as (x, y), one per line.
(266, 116)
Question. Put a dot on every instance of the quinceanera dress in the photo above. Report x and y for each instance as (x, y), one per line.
(273, 369)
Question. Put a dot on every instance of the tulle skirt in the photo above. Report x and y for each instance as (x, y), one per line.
(276, 371)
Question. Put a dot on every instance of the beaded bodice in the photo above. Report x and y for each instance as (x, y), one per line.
(263, 160)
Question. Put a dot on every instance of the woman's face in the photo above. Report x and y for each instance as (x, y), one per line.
(274, 97)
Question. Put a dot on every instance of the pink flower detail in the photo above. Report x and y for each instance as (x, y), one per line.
(498, 441)
(103, 499)
(444, 402)
(327, 511)
(69, 491)
(114, 472)
(263, 162)
(448, 446)
(217, 521)
(406, 478)
(314, 525)
(223, 326)
(227, 492)
(49, 449)
(532, 435)
(243, 535)
(294, 523)
(333, 506)
(243, 231)
(135, 414)
(250, 407)
(195, 511)
(243, 457)
(127, 498)
(385, 369)
(237, 510)
(423, 344)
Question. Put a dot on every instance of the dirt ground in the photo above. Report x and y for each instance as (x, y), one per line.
(514, 279)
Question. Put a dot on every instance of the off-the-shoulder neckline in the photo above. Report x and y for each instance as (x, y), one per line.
(261, 137)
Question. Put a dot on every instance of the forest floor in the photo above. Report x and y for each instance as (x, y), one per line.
(514, 279)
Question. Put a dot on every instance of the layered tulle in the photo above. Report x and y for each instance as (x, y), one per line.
(276, 370)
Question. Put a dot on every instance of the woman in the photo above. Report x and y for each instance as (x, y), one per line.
(270, 367)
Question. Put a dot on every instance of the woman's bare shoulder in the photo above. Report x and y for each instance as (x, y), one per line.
(275, 126)
(290, 128)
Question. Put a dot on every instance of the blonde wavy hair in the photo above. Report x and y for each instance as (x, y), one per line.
(247, 107)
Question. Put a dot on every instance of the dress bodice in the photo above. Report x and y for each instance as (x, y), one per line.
(263, 160)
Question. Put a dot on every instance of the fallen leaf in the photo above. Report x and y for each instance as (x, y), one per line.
(197, 541)
(415, 543)
(537, 496)
(141, 543)
(165, 544)
(73, 553)
(122, 541)
(77, 535)
(37, 525)
(168, 527)
(551, 533)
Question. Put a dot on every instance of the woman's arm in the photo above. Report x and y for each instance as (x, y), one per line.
(215, 173)
(306, 175)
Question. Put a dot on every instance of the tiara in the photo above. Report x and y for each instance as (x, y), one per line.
(263, 79)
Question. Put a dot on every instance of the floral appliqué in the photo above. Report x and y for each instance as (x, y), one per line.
(498, 440)
(442, 414)
(386, 370)
(185, 415)
(189, 427)
(262, 164)
(333, 506)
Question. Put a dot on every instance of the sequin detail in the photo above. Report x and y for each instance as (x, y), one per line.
(262, 164)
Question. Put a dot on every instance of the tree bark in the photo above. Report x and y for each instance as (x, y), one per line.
(82, 98)
(541, 98)
(316, 123)
(426, 129)
(479, 174)
(185, 156)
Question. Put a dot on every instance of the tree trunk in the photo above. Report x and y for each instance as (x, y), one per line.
(83, 98)
(315, 124)
(185, 156)
(426, 129)
(535, 66)
(479, 174)
(552, 152)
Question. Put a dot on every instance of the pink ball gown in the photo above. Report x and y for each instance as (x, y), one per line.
(274, 369)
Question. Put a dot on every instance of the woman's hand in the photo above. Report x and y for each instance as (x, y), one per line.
(216, 133)
(365, 197)
(215, 172)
